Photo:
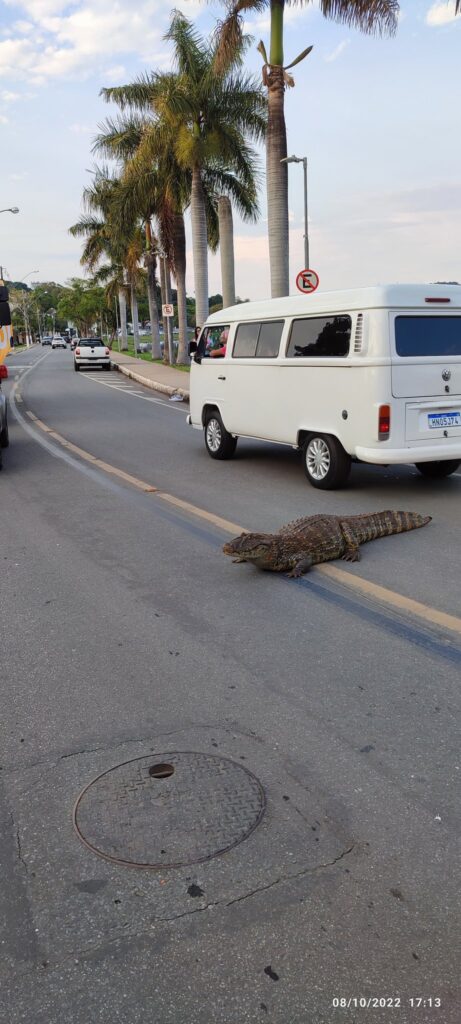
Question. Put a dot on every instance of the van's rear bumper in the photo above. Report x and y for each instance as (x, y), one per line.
(425, 453)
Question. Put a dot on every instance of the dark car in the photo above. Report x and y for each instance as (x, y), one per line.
(3, 414)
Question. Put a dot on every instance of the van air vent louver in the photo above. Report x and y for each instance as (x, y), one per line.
(358, 333)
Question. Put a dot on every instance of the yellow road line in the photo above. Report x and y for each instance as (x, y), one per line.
(399, 601)
(224, 524)
(371, 590)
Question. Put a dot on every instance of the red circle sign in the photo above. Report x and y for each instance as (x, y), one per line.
(307, 281)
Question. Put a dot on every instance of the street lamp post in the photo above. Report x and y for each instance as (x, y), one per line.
(302, 160)
(26, 312)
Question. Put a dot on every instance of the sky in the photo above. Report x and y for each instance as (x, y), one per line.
(377, 118)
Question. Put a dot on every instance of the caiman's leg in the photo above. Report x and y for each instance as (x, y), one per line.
(351, 551)
(301, 564)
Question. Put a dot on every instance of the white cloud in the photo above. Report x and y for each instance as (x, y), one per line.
(116, 72)
(19, 177)
(441, 14)
(81, 37)
(337, 51)
(81, 129)
(8, 97)
(23, 27)
(3, 119)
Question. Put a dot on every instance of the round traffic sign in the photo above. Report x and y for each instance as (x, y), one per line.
(307, 281)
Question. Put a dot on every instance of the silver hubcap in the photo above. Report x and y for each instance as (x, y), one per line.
(213, 435)
(318, 458)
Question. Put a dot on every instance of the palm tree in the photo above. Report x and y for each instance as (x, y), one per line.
(104, 239)
(152, 185)
(203, 115)
(367, 15)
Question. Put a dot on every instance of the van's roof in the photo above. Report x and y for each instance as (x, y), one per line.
(393, 296)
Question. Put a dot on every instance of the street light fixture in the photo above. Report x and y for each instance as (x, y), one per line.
(10, 209)
(301, 160)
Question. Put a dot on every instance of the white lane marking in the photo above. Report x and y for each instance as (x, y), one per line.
(137, 394)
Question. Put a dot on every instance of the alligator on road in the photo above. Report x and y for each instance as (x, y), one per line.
(314, 539)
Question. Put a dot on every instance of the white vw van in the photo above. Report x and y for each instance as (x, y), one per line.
(369, 375)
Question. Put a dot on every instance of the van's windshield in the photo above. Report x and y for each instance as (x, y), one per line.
(428, 335)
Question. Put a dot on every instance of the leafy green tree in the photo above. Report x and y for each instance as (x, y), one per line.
(83, 303)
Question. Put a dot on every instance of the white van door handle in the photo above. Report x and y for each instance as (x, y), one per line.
(221, 378)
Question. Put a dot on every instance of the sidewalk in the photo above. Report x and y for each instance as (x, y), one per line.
(152, 375)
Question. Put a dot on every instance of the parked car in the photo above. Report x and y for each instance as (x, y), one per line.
(58, 342)
(4, 441)
(92, 352)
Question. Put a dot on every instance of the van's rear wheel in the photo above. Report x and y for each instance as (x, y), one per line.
(218, 442)
(326, 464)
(4, 438)
(437, 470)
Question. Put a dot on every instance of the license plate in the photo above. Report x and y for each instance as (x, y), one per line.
(446, 419)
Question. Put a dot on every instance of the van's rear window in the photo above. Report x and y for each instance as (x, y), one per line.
(428, 335)
(320, 337)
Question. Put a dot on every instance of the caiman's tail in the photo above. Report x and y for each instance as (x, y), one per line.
(382, 524)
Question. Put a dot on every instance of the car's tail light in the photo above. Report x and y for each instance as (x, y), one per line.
(77, 351)
(107, 351)
(384, 422)
(3, 372)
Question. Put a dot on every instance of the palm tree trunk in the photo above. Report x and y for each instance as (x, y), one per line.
(179, 249)
(152, 293)
(200, 247)
(226, 245)
(135, 318)
(276, 172)
(123, 331)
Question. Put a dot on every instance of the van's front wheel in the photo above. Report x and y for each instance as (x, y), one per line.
(218, 442)
(326, 464)
(438, 470)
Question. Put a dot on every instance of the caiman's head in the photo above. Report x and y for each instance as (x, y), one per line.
(249, 547)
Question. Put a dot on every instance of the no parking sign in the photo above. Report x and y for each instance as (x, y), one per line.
(307, 281)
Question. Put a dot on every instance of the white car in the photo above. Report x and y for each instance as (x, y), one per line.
(92, 352)
(57, 341)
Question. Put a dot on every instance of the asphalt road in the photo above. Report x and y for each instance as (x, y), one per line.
(127, 634)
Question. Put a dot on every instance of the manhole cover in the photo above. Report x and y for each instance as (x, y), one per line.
(169, 809)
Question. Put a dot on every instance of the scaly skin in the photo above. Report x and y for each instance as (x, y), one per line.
(314, 539)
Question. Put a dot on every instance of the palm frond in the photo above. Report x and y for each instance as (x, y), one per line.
(370, 16)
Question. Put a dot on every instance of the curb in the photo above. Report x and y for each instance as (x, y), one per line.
(154, 385)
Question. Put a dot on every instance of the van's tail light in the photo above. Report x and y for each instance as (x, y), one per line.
(384, 422)
(77, 351)
(3, 372)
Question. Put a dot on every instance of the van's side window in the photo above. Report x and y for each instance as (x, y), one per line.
(257, 340)
(320, 337)
(213, 341)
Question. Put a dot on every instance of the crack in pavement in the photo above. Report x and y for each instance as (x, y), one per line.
(133, 937)
(53, 762)
(18, 843)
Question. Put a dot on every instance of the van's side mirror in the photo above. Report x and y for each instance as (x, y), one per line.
(192, 347)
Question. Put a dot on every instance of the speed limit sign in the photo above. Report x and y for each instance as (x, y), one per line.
(307, 281)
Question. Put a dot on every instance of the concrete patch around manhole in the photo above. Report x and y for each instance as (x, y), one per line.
(169, 809)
